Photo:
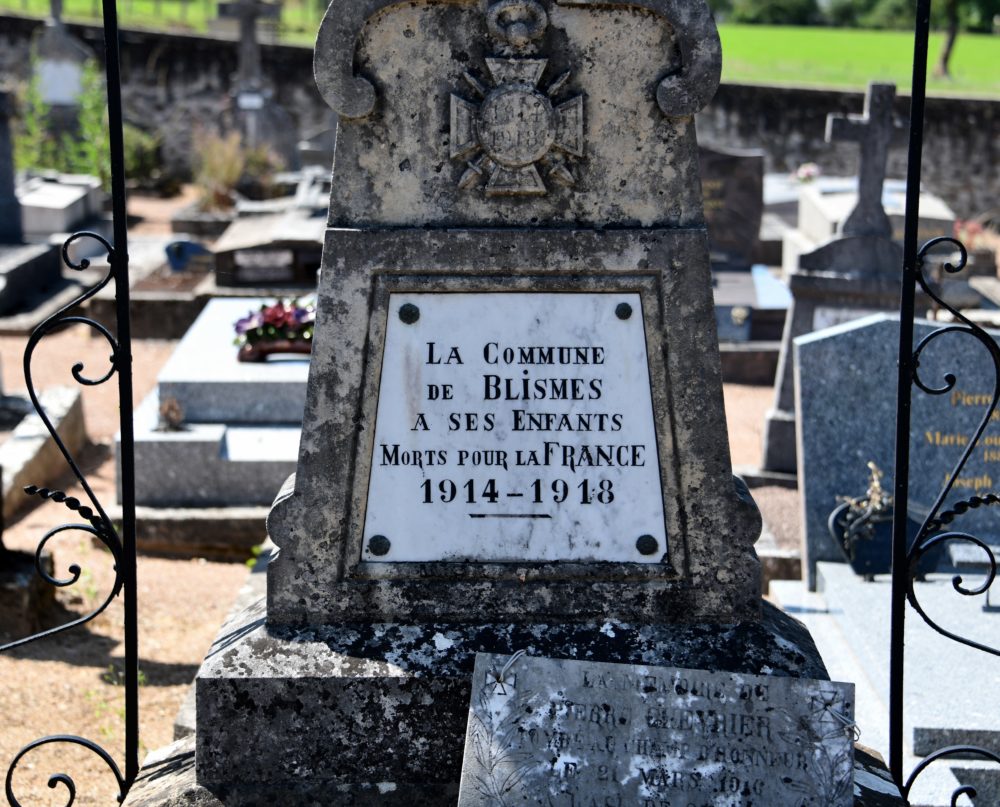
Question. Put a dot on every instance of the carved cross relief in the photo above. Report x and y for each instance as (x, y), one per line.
(516, 128)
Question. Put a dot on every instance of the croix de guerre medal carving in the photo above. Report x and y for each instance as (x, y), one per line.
(515, 129)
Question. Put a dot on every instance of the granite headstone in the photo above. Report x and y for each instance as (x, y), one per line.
(846, 399)
(556, 732)
(25, 269)
(732, 183)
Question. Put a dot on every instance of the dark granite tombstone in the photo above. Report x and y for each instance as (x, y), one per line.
(856, 361)
(24, 268)
(846, 277)
(732, 185)
(514, 434)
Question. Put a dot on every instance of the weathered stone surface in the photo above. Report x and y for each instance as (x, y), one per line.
(31, 457)
(544, 731)
(390, 68)
(320, 691)
(319, 575)
(24, 595)
(875, 132)
(167, 779)
(218, 533)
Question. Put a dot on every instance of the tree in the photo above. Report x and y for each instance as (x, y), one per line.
(973, 15)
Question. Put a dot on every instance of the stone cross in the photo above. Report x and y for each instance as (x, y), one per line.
(249, 75)
(876, 132)
(10, 208)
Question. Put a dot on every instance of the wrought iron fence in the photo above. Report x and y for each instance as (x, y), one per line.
(121, 544)
(906, 560)
(94, 518)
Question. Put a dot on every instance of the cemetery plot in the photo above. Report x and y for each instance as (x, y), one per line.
(554, 732)
(515, 427)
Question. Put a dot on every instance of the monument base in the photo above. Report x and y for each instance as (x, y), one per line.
(388, 703)
(167, 779)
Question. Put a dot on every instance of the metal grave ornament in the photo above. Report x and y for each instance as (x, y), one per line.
(515, 427)
(516, 128)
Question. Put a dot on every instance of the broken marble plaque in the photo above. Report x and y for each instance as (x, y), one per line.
(515, 427)
(572, 733)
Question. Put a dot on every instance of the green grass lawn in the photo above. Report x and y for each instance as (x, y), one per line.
(837, 57)
(821, 57)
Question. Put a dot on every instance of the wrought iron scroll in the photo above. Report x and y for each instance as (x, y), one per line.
(906, 561)
(95, 520)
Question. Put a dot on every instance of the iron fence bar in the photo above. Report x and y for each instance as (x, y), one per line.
(94, 520)
(112, 64)
(901, 481)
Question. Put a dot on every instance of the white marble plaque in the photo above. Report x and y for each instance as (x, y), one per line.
(563, 733)
(515, 427)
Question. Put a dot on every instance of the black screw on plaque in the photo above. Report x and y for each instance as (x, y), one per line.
(623, 311)
(409, 313)
(379, 545)
(646, 544)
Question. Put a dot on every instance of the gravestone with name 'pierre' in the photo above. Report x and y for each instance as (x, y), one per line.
(856, 361)
(514, 435)
(548, 731)
(850, 275)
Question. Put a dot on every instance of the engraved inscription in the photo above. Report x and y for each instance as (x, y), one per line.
(517, 133)
(536, 447)
(516, 126)
(551, 733)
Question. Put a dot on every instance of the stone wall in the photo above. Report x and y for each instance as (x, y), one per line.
(173, 82)
(961, 160)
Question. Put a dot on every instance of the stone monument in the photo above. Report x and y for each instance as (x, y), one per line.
(262, 120)
(848, 276)
(59, 59)
(514, 437)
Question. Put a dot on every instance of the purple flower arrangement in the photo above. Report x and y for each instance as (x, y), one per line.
(285, 326)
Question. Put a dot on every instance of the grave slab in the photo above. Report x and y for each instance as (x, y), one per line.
(856, 647)
(237, 423)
